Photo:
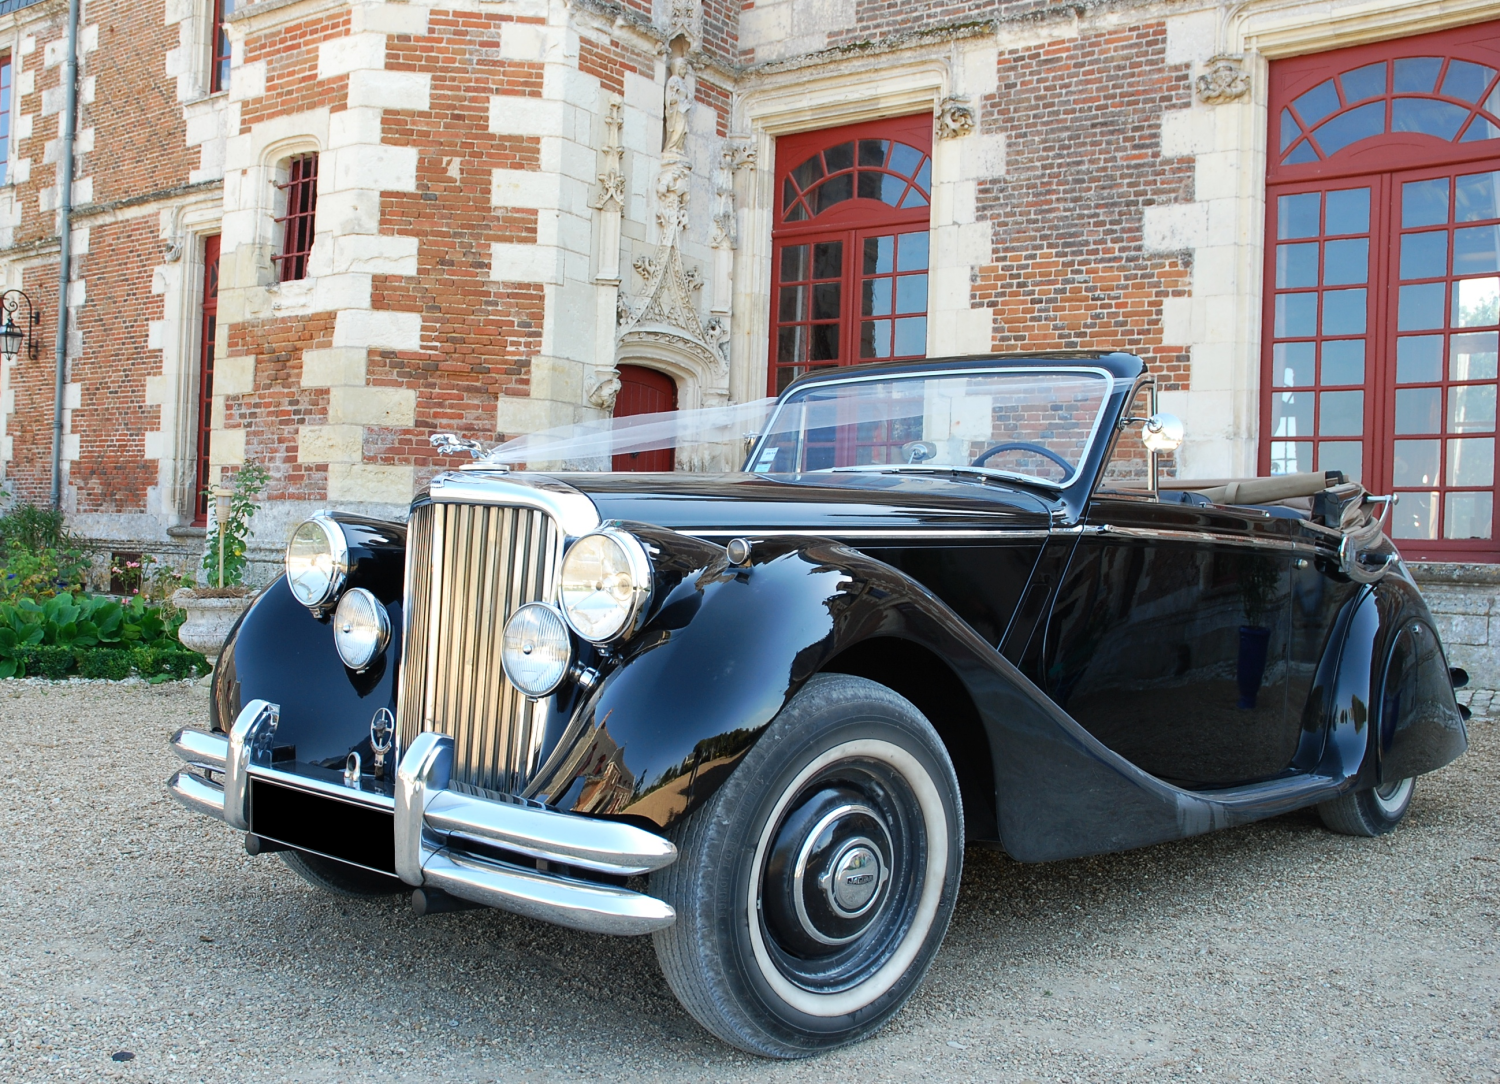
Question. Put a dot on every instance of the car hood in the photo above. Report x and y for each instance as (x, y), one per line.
(823, 504)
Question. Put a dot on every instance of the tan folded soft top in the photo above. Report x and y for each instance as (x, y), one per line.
(1281, 487)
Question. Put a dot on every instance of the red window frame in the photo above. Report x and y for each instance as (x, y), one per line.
(860, 217)
(218, 47)
(299, 219)
(207, 332)
(1368, 163)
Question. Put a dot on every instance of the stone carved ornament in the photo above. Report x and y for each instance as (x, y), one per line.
(734, 155)
(612, 179)
(955, 117)
(1224, 81)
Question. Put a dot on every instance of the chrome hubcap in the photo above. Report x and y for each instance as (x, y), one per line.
(1392, 796)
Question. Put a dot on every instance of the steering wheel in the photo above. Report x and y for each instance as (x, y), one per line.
(1024, 446)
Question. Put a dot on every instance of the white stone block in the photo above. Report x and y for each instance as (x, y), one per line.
(249, 81)
(25, 124)
(765, 24)
(234, 375)
(512, 114)
(154, 329)
(88, 39)
(78, 293)
(387, 169)
(370, 482)
(330, 443)
(372, 406)
(383, 18)
(20, 171)
(334, 367)
(72, 446)
(525, 263)
(1186, 132)
(523, 41)
(644, 93)
(73, 395)
(1177, 321)
(155, 445)
(1190, 37)
(389, 90)
(375, 255)
(80, 237)
(354, 127)
(226, 447)
(26, 84)
(340, 56)
(202, 125)
(1173, 227)
(379, 329)
(524, 188)
(354, 210)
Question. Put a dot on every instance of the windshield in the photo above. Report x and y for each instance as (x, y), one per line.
(1033, 424)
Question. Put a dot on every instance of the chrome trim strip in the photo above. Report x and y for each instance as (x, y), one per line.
(604, 846)
(249, 739)
(1169, 534)
(324, 788)
(582, 905)
(424, 768)
(201, 748)
(198, 794)
(912, 532)
(573, 510)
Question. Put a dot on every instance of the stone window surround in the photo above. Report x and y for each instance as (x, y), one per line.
(1224, 228)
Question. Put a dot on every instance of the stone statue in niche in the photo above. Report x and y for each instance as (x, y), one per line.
(682, 87)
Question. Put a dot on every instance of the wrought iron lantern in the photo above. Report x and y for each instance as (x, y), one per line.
(17, 334)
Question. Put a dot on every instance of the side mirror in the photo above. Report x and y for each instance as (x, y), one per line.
(1162, 433)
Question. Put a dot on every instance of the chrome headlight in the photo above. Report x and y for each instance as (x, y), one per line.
(361, 629)
(605, 584)
(536, 650)
(317, 561)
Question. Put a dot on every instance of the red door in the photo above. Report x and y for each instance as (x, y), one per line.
(645, 391)
(206, 331)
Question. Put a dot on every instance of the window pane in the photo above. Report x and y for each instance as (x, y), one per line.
(1345, 455)
(807, 174)
(1479, 129)
(1478, 195)
(1297, 314)
(1424, 255)
(1349, 211)
(1415, 516)
(839, 157)
(1417, 74)
(1342, 414)
(911, 252)
(905, 158)
(1291, 456)
(1471, 408)
(1419, 410)
(1297, 216)
(825, 342)
(1292, 364)
(875, 339)
(1471, 461)
(1362, 83)
(911, 293)
(1466, 81)
(1289, 129)
(825, 300)
(1416, 463)
(872, 151)
(1476, 302)
(879, 255)
(1344, 312)
(1344, 361)
(869, 186)
(1440, 119)
(1424, 203)
(828, 260)
(1419, 359)
(791, 344)
(793, 304)
(1473, 356)
(877, 297)
(794, 263)
(1476, 249)
(1359, 123)
(1303, 153)
(1468, 515)
(1297, 265)
(891, 188)
(1292, 414)
(1346, 261)
(833, 191)
(911, 336)
(913, 198)
(1420, 307)
(1317, 103)
(788, 194)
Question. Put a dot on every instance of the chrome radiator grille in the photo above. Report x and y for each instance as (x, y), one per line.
(468, 567)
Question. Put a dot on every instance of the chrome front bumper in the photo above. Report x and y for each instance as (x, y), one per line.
(448, 840)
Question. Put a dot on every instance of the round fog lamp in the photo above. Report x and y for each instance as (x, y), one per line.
(317, 561)
(361, 629)
(536, 650)
(604, 584)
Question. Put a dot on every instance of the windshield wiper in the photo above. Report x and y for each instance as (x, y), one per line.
(924, 468)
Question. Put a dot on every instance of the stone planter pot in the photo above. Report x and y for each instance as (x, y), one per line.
(208, 620)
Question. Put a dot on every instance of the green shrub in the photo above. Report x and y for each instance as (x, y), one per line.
(167, 661)
(249, 481)
(38, 557)
(79, 622)
(111, 664)
(46, 660)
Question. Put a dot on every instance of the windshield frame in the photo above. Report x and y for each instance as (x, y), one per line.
(1110, 381)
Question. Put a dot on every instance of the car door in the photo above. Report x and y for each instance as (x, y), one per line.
(1169, 640)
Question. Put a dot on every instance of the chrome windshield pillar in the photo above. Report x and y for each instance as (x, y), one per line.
(249, 742)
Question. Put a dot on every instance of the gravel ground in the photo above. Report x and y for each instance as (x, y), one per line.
(1274, 952)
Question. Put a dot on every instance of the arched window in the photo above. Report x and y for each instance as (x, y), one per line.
(849, 275)
(1382, 321)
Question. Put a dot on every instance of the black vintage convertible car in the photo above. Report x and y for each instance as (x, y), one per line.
(759, 714)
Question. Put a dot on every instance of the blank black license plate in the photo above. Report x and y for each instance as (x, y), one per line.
(348, 832)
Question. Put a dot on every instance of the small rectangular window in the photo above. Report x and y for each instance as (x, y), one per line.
(300, 190)
(4, 119)
(218, 49)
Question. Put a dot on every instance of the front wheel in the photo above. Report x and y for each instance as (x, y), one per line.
(1372, 812)
(341, 879)
(813, 889)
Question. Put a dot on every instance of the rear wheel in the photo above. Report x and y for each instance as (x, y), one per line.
(1372, 812)
(814, 888)
(340, 878)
